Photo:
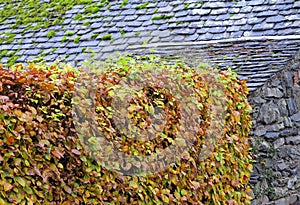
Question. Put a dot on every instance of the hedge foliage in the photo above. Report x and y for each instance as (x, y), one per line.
(43, 159)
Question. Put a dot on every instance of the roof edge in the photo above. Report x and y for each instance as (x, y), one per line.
(229, 40)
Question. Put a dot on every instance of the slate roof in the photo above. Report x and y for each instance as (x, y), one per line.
(235, 33)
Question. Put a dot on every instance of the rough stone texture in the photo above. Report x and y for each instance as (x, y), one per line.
(276, 175)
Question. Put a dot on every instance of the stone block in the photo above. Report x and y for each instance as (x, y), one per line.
(273, 93)
(294, 140)
(272, 135)
(292, 106)
(269, 113)
(278, 143)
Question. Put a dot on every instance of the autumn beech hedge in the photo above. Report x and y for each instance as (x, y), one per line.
(49, 152)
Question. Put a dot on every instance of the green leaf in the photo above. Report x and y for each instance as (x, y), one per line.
(21, 181)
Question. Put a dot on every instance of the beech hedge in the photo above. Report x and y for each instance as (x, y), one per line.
(45, 157)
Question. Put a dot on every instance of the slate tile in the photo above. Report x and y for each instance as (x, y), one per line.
(260, 8)
(192, 37)
(215, 30)
(113, 29)
(267, 13)
(141, 12)
(96, 25)
(119, 41)
(283, 25)
(270, 33)
(134, 23)
(161, 34)
(187, 19)
(178, 8)
(288, 12)
(219, 11)
(257, 2)
(163, 27)
(210, 23)
(183, 31)
(275, 19)
(151, 28)
(234, 10)
(55, 39)
(159, 22)
(89, 43)
(144, 18)
(233, 28)
(130, 17)
(296, 4)
(118, 18)
(128, 29)
(201, 11)
(41, 40)
(237, 34)
(254, 20)
(293, 17)
(165, 9)
(147, 23)
(219, 36)
(206, 36)
(296, 24)
(281, 7)
(178, 38)
(246, 28)
(246, 9)
(83, 31)
(240, 22)
(33, 52)
(253, 33)
(288, 31)
(162, 4)
(196, 25)
(263, 26)
(166, 39)
(182, 13)
(238, 16)
(222, 17)
(61, 51)
(214, 5)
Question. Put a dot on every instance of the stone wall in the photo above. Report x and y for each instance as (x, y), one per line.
(276, 133)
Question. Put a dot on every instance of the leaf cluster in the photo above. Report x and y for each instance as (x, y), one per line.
(44, 161)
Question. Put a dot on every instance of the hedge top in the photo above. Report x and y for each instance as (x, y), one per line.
(64, 29)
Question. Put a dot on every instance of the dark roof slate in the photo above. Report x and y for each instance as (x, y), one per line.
(170, 22)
